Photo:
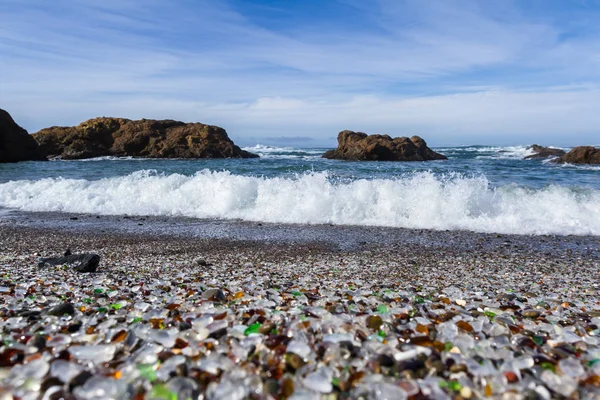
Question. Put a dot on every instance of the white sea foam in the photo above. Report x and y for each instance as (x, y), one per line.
(506, 153)
(585, 167)
(263, 148)
(267, 151)
(493, 152)
(102, 158)
(503, 153)
(419, 200)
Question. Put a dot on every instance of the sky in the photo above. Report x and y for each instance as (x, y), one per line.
(297, 72)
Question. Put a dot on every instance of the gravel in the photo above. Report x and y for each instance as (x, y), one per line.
(170, 317)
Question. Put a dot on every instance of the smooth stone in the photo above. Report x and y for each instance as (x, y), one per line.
(214, 295)
(64, 370)
(529, 313)
(572, 368)
(387, 391)
(374, 322)
(62, 309)
(320, 380)
(299, 348)
(35, 369)
(185, 388)
(99, 387)
(79, 380)
(96, 353)
(564, 385)
(294, 360)
(227, 389)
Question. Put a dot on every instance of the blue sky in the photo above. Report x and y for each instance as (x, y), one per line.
(298, 72)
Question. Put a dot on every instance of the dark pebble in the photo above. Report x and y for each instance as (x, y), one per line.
(38, 341)
(386, 360)
(79, 380)
(48, 383)
(214, 295)
(62, 309)
(184, 326)
(219, 333)
(74, 327)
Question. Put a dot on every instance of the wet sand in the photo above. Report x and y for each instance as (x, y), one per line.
(189, 231)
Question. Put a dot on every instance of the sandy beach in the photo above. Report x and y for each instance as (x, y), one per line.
(181, 308)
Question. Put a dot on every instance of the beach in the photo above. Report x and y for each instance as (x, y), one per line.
(275, 200)
(183, 307)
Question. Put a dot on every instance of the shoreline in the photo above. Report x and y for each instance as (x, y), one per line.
(119, 239)
(335, 237)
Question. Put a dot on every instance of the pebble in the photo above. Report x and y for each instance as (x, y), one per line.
(531, 313)
(94, 353)
(332, 325)
(65, 370)
(300, 348)
(374, 322)
(320, 380)
(466, 392)
(62, 309)
(214, 294)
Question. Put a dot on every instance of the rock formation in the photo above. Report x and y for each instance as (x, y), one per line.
(581, 155)
(144, 138)
(362, 147)
(544, 152)
(15, 143)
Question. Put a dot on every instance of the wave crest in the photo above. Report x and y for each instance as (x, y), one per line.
(419, 200)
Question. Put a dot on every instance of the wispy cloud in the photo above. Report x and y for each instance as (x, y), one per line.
(444, 69)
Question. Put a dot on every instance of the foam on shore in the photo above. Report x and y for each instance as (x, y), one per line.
(419, 200)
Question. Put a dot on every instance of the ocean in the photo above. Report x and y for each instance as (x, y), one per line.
(479, 188)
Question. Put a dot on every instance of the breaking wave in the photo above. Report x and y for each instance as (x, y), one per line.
(266, 151)
(490, 152)
(418, 200)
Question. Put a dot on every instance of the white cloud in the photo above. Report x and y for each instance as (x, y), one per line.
(563, 116)
(437, 68)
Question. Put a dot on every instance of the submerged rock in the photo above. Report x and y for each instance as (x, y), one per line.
(86, 262)
(581, 155)
(359, 146)
(143, 138)
(15, 143)
(544, 152)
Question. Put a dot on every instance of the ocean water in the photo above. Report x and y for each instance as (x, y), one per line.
(479, 188)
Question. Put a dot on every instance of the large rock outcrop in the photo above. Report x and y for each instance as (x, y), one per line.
(581, 155)
(359, 146)
(144, 138)
(544, 152)
(15, 143)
